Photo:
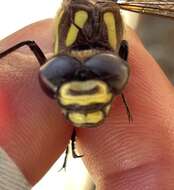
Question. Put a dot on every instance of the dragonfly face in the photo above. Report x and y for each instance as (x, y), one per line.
(86, 71)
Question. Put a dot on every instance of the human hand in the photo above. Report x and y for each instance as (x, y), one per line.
(118, 155)
(32, 129)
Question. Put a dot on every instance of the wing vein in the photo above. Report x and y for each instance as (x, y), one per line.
(153, 7)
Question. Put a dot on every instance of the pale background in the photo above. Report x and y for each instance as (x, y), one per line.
(18, 13)
(13, 16)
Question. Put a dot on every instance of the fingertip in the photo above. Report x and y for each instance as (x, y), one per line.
(33, 130)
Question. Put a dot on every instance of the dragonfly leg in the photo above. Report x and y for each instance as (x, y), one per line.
(73, 141)
(65, 159)
(124, 50)
(130, 118)
(33, 47)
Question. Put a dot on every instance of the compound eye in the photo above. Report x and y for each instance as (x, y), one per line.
(111, 69)
(55, 72)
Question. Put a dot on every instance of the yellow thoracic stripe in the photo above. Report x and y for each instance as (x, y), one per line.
(57, 25)
(101, 96)
(79, 21)
(72, 35)
(90, 118)
(109, 20)
(80, 18)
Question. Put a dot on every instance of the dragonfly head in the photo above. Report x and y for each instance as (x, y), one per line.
(86, 71)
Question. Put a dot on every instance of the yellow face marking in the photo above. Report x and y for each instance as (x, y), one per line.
(80, 118)
(109, 20)
(80, 19)
(102, 95)
(57, 25)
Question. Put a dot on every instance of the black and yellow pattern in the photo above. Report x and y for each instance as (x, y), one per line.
(89, 66)
(84, 29)
(82, 99)
(88, 23)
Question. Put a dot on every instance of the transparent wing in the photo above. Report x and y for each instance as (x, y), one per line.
(154, 7)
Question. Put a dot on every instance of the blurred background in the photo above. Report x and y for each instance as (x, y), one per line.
(156, 34)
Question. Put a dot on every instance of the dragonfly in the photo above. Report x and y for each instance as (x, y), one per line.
(90, 63)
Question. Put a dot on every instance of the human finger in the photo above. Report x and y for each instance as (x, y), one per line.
(33, 130)
(120, 155)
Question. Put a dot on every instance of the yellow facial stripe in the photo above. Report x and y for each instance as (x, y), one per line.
(101, 96)
(90, 118)
(109, 20)
(80, 19)
(57, 25)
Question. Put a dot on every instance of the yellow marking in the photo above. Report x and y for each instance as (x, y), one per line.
(72, 35)
(79, 20)
(57, 25)
(80, 118)
(109, 20)
(101, 96)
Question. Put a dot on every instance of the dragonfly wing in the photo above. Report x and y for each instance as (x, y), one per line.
(154, 7)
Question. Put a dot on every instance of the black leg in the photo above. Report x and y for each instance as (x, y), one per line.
(74, 154)
(33, 47)
(130, 118)
(65, 159)
(73, 140)
(123, 53)
(124, 50)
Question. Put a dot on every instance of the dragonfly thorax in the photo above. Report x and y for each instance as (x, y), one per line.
(88, 25)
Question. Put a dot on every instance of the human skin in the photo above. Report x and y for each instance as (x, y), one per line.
(117, 154)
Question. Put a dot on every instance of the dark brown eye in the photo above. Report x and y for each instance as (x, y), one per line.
(111, 69)
(55, 71)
